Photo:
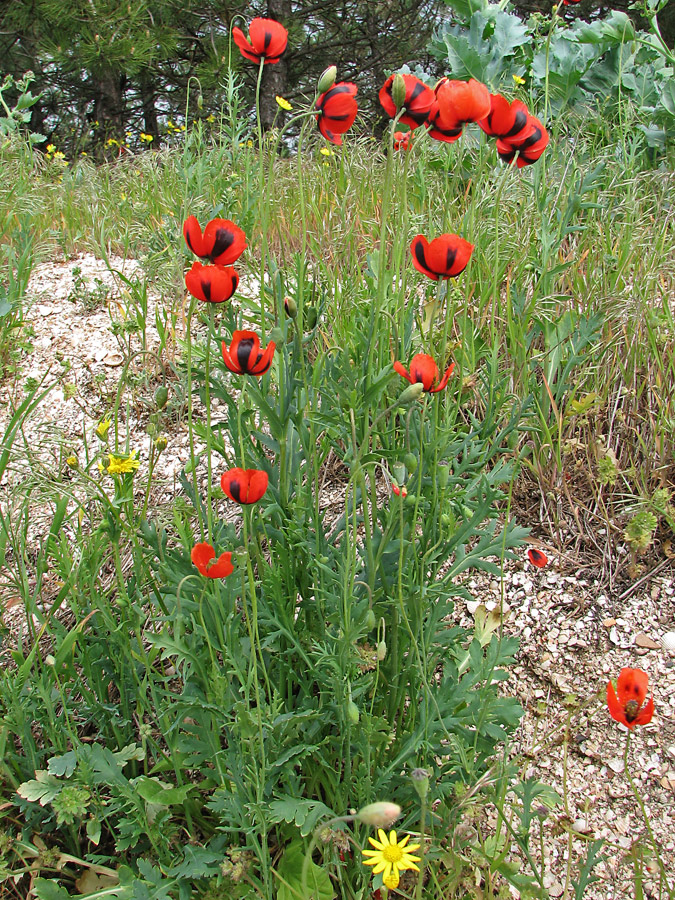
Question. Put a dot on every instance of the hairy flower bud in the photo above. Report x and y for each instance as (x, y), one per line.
(379, 815)
(398, 91)
(353, 712)
(412, 393)
(381, 651)
(161, 396)
(327, 79)
(291, 307)
(420, 780)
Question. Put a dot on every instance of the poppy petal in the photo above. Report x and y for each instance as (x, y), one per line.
(224, 241)
(212, 284)
(423, 370)
(616, 710)
(192, 233)
(264, 360)
(398, 367)
(268, 37)
(537, 557)
(201, 556)
(419, 247)
(646, 713)
(632, 684)
(444, 380)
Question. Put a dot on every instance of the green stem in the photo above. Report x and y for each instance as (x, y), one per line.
(191, 435)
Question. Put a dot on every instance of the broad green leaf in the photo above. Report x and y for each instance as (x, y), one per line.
(63, 765)
(292, 886)
(42, 789)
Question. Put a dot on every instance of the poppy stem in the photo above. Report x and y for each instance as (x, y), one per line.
(191, 434)
(264, 198)
(207, 400)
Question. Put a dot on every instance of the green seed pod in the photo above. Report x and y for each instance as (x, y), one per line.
(410, 461)
(370, 621)
(443, 474)
(327, 79)
(353, 713)
(410, 500)
(161, 396)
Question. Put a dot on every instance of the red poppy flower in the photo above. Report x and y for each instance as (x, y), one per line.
(402, 140)
(445, 257)
(437, 130)
(529, 149)
(424, 371)
(267, 40)
(336, 111)
(399, 491)
(245, 356)
(244, 485)
(509, 121)
(223, 242)
(631, 689)
(213, 284)
(567, 2)
(418, 99)
(537, 557)
(204, 558)
(460, 102)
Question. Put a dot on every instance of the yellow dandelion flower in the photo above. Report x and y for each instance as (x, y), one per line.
(50, 148)
(324, 151)
(103, 428)
(390, 857)
(518, 80)
(283, 103)
(121, 465)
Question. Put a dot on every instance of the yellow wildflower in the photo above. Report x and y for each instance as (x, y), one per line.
(324, 151)
(147, 138)
(103, 428)
(390, 857)
(50, 148)
(72, 462)
(210, 118)
(518, 80)
(121, 465)
(284, 104)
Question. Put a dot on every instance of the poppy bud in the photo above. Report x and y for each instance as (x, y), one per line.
(327, 80)
(310, 318)
(412, 393)
(381, 651)
(420, 780)
(353, 713)
(400, 473)
(291, 307)
(443, 474)
(161, 396)
(200, 101)
(410, 461)
(398, 91)
(370, 620)
(277, 335)
(379, 815)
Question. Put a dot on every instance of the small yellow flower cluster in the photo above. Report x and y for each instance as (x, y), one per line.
(120, 465)
(210, 118)
(54, 155)
(146, 138)
(172, 128)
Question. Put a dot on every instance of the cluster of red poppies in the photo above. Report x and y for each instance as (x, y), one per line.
(444, 111)
(222, 243)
